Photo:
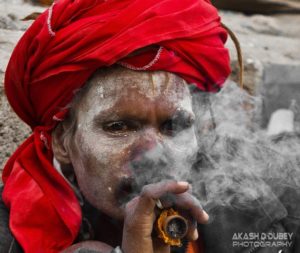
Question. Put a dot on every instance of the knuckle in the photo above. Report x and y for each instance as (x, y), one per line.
(185, 201)
(146, 191)
(129, 226)
(170, 182)
(191, 201)
(127, 209)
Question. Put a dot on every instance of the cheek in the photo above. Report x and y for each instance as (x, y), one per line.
(99, 162)
(97, 152)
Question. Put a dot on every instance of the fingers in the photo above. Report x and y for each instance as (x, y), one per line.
(171, 194)
(150, 193)
(192, 234)
(157, 190)
(186, 202)
(140, 216)
(189, 203)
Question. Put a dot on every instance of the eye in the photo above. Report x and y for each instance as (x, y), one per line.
(175, 125)
(121, 126)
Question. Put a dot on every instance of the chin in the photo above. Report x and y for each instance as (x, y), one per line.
(116, 213)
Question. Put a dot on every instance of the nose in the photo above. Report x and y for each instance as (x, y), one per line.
(150, 161)
(149, 140)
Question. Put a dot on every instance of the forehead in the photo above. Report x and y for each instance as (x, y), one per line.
(120, 87)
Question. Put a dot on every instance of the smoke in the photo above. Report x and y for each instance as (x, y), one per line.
(240, 165)
(237, 164)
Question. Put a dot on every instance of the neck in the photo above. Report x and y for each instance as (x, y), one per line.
(105, 228)
(109, 230)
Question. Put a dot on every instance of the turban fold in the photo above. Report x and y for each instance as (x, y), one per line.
(57, 54)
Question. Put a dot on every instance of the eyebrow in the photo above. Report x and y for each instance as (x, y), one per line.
(104, 115)
(183, 114)
(110, 114)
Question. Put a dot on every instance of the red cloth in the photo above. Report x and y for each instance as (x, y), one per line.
(56, 56)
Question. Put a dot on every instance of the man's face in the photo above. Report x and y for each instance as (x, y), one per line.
(124, 116)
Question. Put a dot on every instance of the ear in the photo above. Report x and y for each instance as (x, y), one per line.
(59, 145)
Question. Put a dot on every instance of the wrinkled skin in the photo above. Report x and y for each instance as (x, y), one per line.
(122, 116)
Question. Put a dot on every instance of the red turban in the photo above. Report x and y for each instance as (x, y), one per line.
(56, 56)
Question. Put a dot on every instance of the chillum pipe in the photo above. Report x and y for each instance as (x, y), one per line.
(171, 227)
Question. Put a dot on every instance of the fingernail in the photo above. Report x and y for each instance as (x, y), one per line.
(206, 216)
(195, 235)
(183, 183)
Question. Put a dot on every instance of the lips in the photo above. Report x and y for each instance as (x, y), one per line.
(143, 167)
(126, 190)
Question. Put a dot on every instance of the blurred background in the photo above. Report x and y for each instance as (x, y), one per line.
(269, 34)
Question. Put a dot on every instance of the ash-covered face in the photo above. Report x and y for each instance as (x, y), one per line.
(124, 116)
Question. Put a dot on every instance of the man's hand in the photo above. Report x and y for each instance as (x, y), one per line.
(140, 216)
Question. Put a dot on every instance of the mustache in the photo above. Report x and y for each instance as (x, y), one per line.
(153, 164)
(126, 190)
(144, 170)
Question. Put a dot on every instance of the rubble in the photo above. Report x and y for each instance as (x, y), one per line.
(281, 121)
(259, 6)
(12, 130)
(271, 51)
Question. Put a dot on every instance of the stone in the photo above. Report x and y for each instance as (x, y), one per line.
(8, 39)
(281, 121)
(12, 13)
(259, 6)
(12, 130)
(272, 59)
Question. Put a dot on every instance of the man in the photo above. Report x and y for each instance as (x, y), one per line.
(113, 130)
(99, 164)
(113, 123)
